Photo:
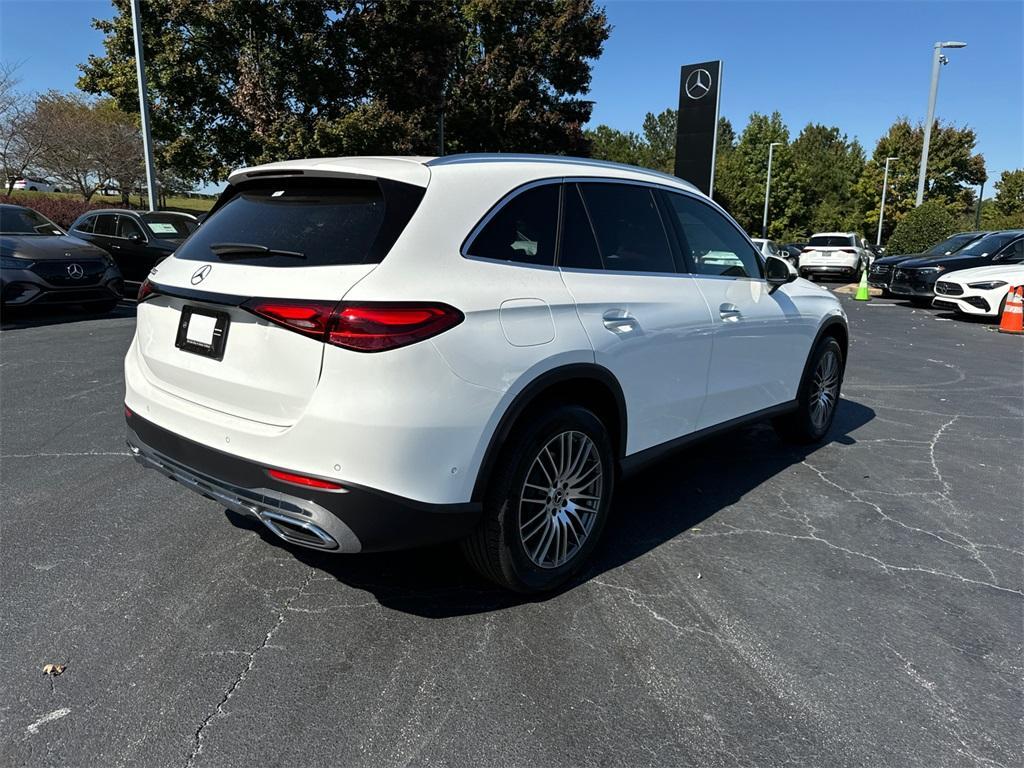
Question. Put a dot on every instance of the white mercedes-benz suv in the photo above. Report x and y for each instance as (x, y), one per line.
(376, 353)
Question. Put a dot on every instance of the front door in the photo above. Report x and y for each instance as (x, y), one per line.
(760, 339)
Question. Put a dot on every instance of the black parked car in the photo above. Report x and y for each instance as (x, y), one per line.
(882, 270)
(40, 264)
(915, 278)
(138, 240)
(791, 252)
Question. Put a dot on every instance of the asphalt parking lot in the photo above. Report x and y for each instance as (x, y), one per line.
(859, 604)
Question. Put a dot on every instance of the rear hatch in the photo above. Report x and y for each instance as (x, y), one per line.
(826, 247)
(284, 248)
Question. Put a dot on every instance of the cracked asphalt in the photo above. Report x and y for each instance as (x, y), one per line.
(858, 604)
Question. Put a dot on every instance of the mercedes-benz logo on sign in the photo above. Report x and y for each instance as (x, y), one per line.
(200, 274)
(698, 84)
(75, 271)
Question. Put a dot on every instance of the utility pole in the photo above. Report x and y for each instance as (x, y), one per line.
(938, 59)
(768, 188)
(881, 211)
(977, 211)
(147, 139)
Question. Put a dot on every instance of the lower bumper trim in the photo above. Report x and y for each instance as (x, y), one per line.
(355, 519)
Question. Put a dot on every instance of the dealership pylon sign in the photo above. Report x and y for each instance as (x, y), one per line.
(700, 88)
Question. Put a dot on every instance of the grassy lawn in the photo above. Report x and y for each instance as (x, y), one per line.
(185, 204)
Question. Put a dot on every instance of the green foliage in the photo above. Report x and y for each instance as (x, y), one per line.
(1010, 194)
(655, 149)
(245, 81)
(922, 227)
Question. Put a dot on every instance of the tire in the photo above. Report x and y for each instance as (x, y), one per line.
(887, 294)
(807, 424)
(526, 551)
(1002, 306)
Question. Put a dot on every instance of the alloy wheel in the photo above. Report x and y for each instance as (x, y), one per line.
(560, 499)
(824, 389)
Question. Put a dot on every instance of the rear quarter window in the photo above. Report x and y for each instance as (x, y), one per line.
(522, 230)
(328, 222)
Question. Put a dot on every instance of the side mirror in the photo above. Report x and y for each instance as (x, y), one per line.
(135, 237)
(779, 272)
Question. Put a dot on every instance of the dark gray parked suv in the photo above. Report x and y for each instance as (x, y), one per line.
(40, 264)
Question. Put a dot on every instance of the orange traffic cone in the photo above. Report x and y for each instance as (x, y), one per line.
(1013, 313)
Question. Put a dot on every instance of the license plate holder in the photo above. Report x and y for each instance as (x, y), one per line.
(203, 332)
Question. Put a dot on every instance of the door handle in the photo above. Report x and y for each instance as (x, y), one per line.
(113, 245)
(619, 321)
(729, 312)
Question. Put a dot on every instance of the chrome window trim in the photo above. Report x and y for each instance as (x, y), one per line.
(516, 191)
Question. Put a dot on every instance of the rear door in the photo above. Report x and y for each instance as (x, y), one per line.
(291, 248)
(646, 321)
(760, 339)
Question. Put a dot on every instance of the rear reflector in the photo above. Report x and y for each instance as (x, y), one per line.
(371, 327)
(309, 482)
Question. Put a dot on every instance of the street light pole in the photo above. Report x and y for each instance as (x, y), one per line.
(768, 188)
(147, 139)
(938, 59)
(881, 211)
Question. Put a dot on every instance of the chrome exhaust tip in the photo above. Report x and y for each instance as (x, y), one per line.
(299, 532)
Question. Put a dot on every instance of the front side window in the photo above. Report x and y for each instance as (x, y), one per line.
(86, 225)
(126, 228)
(628, 226)
(523, 230)
(710, 242)
(106, 224)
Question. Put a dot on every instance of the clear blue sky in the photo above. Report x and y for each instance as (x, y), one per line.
(857, 65)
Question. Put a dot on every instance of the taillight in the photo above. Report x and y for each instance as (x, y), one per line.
(848, 250)
(146, 291)
(361, 327)
(309, 482)
(806, 250)
(310, 318)
(374, 328)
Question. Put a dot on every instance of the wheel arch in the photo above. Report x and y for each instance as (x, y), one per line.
(586, 384)
(834, 327)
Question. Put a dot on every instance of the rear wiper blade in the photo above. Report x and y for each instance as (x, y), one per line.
(251, 250)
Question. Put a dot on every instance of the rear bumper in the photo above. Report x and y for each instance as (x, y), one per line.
(355, 519)
(840, 270)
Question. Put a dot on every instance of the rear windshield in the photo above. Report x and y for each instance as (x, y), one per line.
(304, 223)
(831, 241)
(169, 227)
(952, 244)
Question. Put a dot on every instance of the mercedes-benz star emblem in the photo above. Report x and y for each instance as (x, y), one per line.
(75, 271)
(200, 274)
(698, 84)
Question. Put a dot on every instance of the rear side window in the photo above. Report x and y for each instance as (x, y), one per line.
(578, 246)
(304, 223)
(628, 228)
(711, 244)
(523, 230)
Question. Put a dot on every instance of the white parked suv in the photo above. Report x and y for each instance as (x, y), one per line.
(376, 353)
(34, 184)
(980, 291)
(835, 254)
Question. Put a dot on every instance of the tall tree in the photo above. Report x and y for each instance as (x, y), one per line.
(1010, 193)
(244, 81)
(19, 135)
(742, 172)
(954, 169)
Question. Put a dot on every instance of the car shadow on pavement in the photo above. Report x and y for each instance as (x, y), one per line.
(651, 508)
(34, 317)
